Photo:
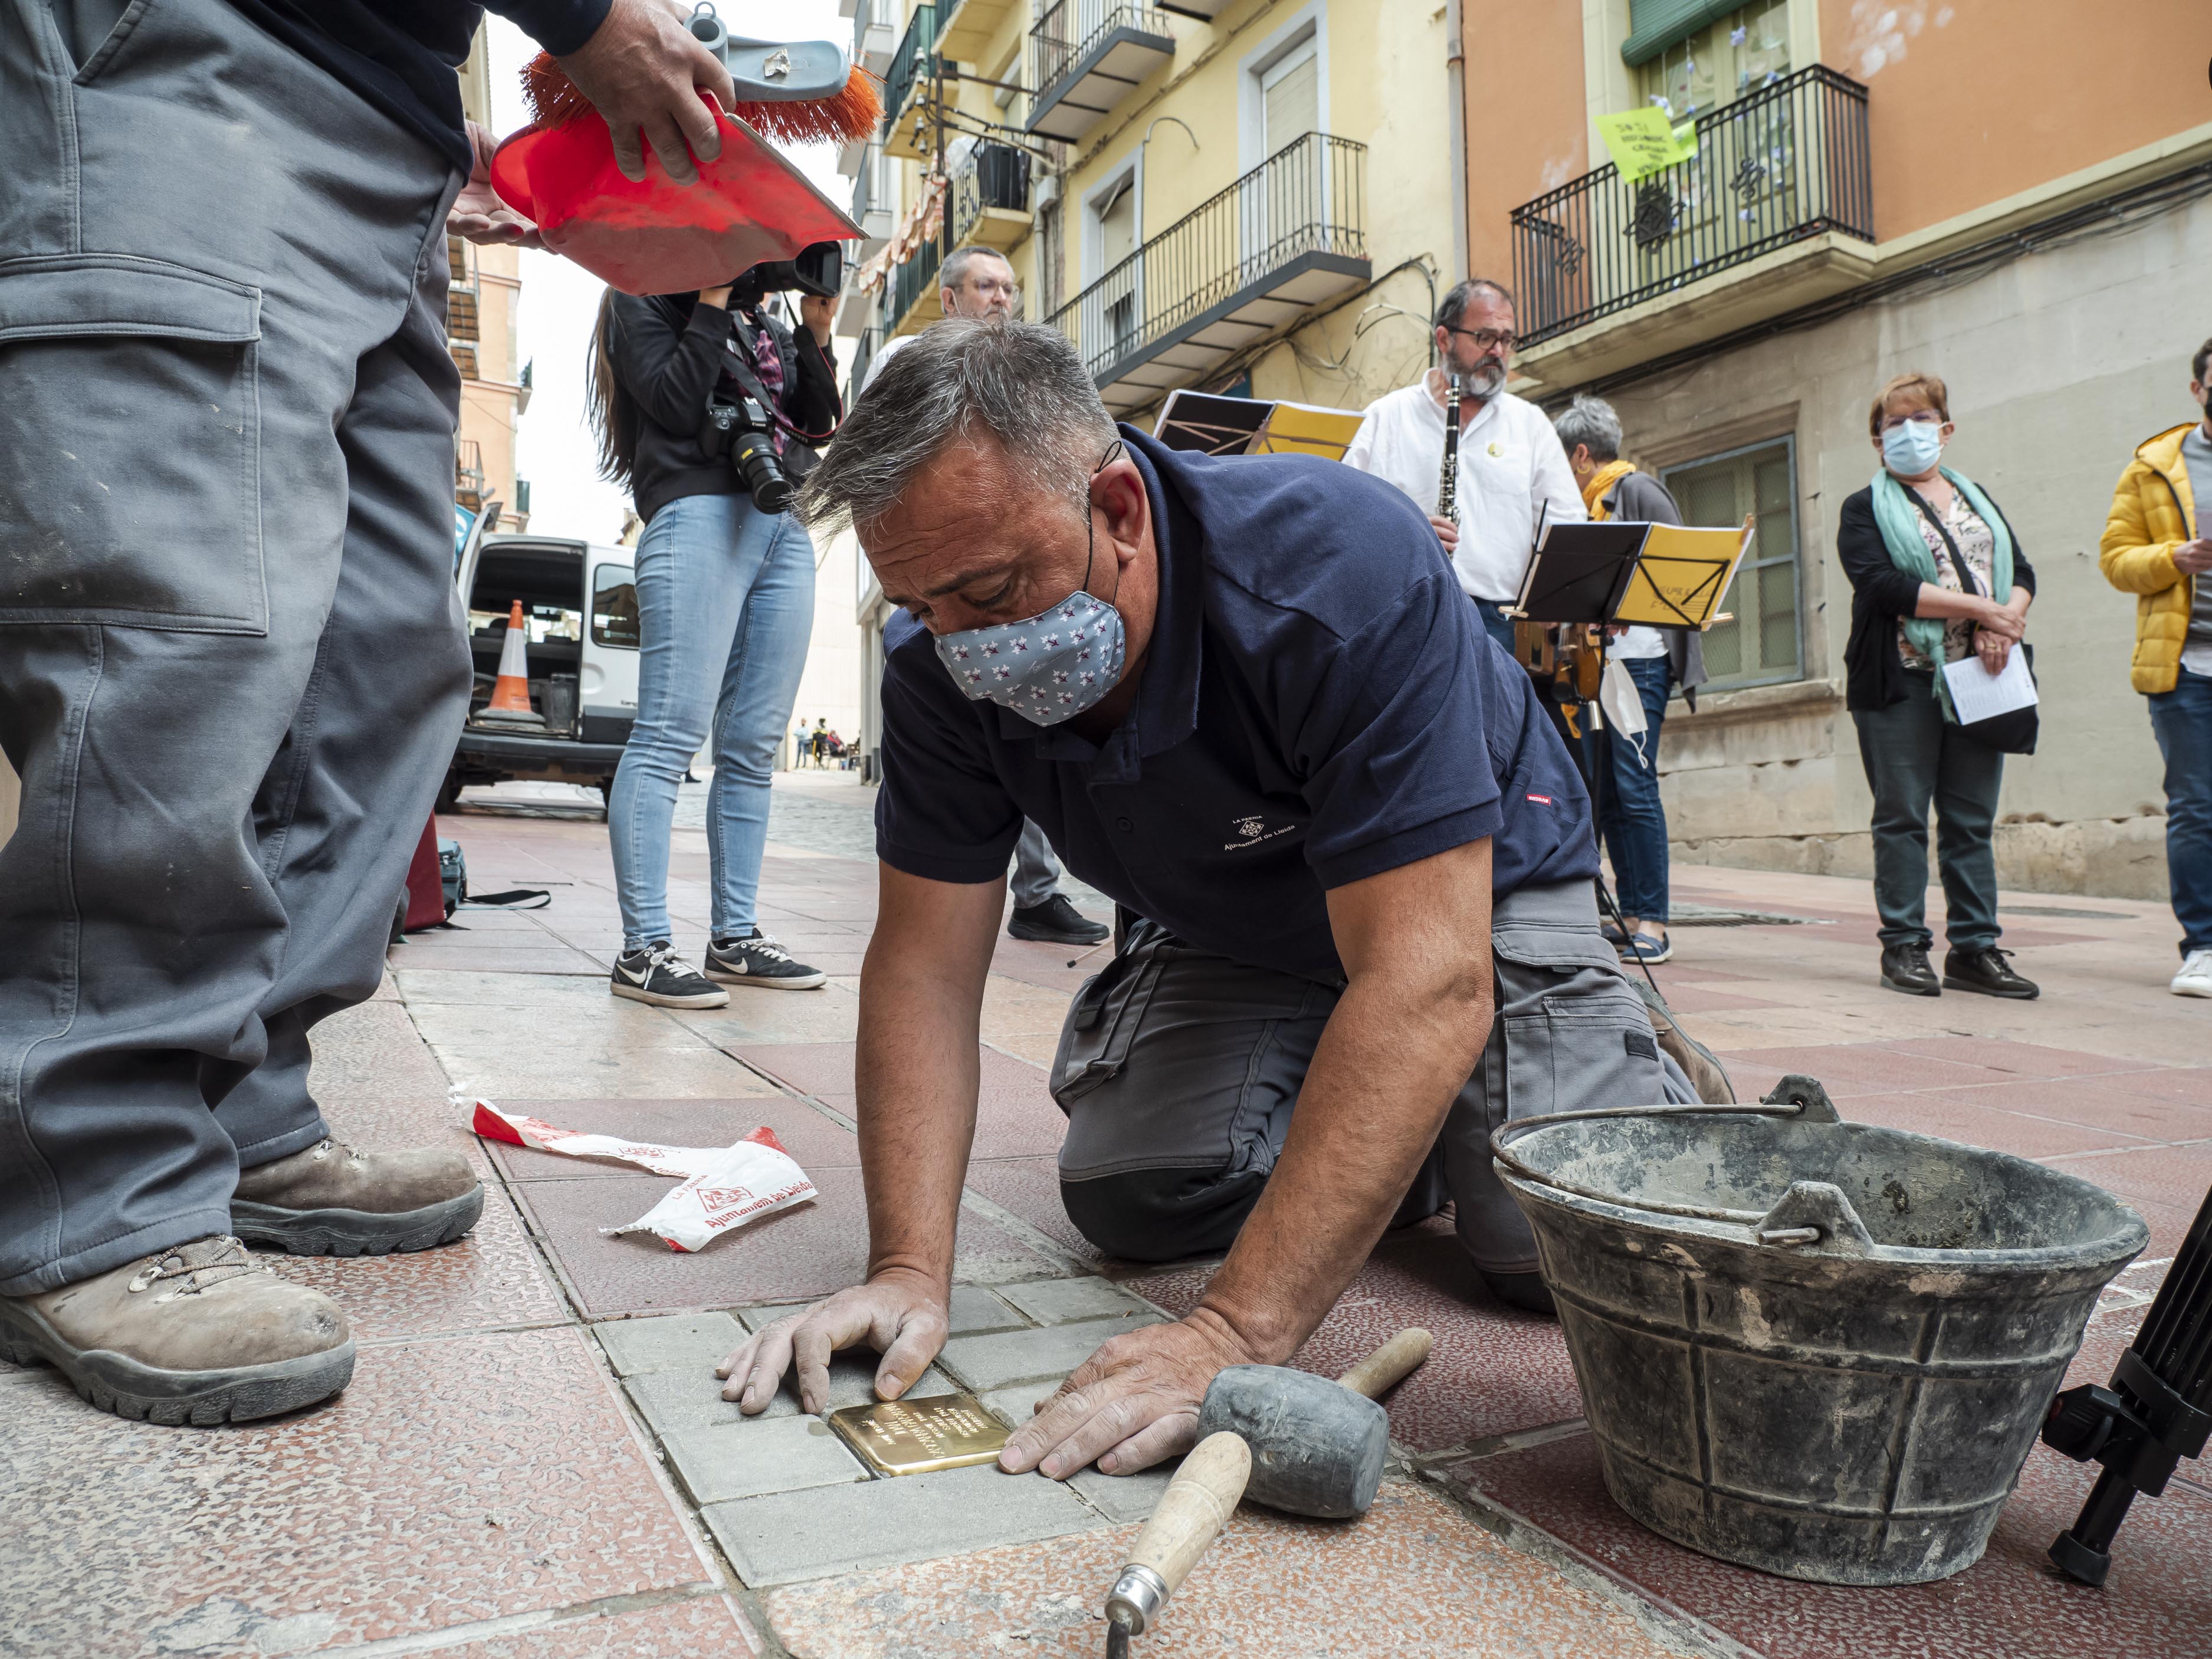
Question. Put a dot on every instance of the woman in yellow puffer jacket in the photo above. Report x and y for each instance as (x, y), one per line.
(2151, 550)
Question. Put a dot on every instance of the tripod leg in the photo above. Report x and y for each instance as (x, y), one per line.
(2085, 1551)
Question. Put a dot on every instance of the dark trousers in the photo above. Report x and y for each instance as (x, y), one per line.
(1496, 622)
(1913, 757)
(1179, 1072)
(1630, 815)
(232, 662)
(2182, 721)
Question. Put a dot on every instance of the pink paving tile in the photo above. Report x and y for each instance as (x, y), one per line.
(2026, 1058)
(1015, 1114)
(1029, 1186)
(2179, 1176)
(2191, 1085)
(489, 1279)
(1974, 1116)
(792, 1256)
(2158, 1604)
(1868, 1067)
(1494, 1369)
(500, 962)
(456, 1481)
(821, 1069)
(2107, 1105)
(804, 1133)
(714, 1626)
(1698, 1000)
(1414, 1577)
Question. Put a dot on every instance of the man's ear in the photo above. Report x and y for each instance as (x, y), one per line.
(1118, 492)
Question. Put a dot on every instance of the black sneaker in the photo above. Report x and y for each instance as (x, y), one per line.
(756, 960)
(655, 974)
(1983, 969)
(1905, 968)
(1055, 922)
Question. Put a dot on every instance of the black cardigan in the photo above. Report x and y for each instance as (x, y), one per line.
(1874, 673)
(668, 353)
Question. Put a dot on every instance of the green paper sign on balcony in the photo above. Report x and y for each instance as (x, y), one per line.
(1642, 142)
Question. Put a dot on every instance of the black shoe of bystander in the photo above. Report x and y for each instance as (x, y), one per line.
(1905, 968)
(1984, 969)
(1055, 921)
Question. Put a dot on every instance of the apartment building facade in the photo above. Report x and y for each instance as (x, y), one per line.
(1254, 196)
(2004, 195)
(483, 307)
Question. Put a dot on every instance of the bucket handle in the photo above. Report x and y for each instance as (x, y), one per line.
(1797, 1096)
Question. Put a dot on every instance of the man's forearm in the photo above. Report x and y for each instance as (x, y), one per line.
(1385, 1073)
(917, 1076)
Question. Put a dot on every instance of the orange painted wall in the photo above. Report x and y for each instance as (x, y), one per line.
(1973, 100)
(1525, 130)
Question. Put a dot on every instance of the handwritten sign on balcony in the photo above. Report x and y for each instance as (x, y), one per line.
(1642, 142)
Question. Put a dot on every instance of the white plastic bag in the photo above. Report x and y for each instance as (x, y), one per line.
(723, 1187)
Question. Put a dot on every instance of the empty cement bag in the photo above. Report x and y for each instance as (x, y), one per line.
(1818, 1348)
(654, 235)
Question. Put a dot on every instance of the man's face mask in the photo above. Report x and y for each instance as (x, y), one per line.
(1055, 665)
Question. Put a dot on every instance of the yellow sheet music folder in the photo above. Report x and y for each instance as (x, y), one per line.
(1307, 430)
(1681, 576)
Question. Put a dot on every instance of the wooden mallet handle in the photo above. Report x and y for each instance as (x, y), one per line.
(1401, 1354)
(1195, 1509)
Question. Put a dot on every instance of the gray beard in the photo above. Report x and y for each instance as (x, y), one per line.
(1484, 383)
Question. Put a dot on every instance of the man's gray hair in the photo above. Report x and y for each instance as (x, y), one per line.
(1022, 383)
(1590, 422)
(954, 270)
(1461, 294)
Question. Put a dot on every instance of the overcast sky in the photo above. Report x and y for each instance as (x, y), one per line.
(554, 448)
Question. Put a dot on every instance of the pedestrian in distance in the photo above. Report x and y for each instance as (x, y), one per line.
(1936, 575)
(235, 664)
(978, 282)
(1630, 816)
(2152, 548)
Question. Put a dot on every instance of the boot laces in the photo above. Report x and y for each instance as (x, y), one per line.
(232, 1261)
(760, 944)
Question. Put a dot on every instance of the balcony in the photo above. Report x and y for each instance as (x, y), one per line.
(468, 474)
(870, 210)
(1085, 57)
(875, 33)
(1240, 268)
(1608, 273)
(463, 318)
(912, 66)
(990, 203)
(970, 24)
(912, 289)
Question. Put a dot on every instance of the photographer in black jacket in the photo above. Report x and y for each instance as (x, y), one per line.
(707, 408)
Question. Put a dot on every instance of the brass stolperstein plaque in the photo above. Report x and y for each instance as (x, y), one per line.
(915, 1437)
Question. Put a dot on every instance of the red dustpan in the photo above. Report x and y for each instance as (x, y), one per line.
(657, 236)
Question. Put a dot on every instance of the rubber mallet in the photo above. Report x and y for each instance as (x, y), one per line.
(1317, 1446)
(1190, 1515)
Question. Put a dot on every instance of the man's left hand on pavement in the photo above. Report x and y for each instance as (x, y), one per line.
(1130, 1404)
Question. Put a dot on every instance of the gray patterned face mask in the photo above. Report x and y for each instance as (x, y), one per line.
(1051, 667)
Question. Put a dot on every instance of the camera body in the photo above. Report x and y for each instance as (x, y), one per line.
(743, 433)
(819, 270)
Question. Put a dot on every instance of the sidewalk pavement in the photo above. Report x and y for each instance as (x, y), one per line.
(534, 1459)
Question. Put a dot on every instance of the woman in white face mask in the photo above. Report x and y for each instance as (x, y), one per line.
(1936, 575)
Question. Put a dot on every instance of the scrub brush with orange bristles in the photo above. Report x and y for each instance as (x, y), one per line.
(799, 91)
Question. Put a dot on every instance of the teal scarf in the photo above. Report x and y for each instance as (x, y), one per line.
(1899, 522)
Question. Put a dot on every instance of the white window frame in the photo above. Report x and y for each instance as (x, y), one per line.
(1308, 23)
(1131, 174)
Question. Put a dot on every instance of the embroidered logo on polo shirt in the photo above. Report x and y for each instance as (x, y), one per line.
(1251, 832)
(1541, 800)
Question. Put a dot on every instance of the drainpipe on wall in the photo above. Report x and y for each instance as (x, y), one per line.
(1456, 67)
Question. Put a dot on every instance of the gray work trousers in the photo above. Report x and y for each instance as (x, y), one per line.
(1179, 1072)
(232, 662)
(1037, 871)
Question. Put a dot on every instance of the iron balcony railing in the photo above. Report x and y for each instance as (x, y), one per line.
(864, 184)
(993, 176)
(913, 279)
(863, 351)
(1784, 163)
(1066, 32)
(1308, 197)
(909, 62)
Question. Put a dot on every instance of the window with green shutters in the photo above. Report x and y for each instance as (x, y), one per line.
(1692, 56)
(1762, 640)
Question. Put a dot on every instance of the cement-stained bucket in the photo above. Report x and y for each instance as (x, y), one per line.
(1818, 1348)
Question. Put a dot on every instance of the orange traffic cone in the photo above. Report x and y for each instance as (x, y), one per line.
(510, 694)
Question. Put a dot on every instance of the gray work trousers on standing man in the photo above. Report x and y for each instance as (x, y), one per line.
(1179, 1072)
(232, 662)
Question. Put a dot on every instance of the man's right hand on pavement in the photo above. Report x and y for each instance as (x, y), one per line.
(902, 1315)
(643, 70)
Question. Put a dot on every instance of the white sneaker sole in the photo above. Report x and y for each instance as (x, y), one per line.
(663, 1000)
(787, 982)
(2191, 988)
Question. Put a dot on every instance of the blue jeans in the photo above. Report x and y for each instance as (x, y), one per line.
(725, 608)
(1913, 756)
(1496, 622)
(1630, 815)
(2181, 720)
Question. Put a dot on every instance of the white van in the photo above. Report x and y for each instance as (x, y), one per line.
(580, 607)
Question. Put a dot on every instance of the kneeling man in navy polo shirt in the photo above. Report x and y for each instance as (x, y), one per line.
(1247, 698)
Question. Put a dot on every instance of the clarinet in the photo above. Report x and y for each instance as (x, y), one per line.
(1448, 490)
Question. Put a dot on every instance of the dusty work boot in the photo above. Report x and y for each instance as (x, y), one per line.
(1905, 968)
(333, 1200)
(1982, 967)
(203, 1333)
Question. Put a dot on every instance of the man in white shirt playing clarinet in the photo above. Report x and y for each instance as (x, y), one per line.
(1512, 472)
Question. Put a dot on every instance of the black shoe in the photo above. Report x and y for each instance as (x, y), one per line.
(1905, 968)
(1983, 969)
(1055, 922)
(1527, 1292)
(754, 958)
(655, 974)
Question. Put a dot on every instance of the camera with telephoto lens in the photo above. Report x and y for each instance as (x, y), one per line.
(743, 431)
